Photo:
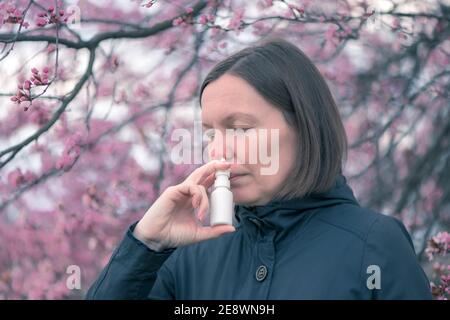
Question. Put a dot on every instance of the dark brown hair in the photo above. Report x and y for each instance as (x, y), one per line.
(290, 81)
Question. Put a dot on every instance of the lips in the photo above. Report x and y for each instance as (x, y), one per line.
(236, 176)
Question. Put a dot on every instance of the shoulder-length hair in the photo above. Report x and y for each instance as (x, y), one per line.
(289, 80)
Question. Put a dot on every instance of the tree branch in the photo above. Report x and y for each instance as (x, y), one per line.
(13, 150)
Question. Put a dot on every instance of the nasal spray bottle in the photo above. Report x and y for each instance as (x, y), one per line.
(222, 208)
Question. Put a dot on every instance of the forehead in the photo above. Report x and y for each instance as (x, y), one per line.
(231, 96)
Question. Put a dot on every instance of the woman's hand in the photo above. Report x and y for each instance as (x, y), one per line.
(171, 220)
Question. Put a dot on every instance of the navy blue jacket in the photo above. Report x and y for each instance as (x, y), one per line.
(320, 247)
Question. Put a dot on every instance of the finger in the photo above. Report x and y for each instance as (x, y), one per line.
(195, 200)
(205, 233)
(193, 191)
(209, 181)
(196, 196)
(203, 172)
(204, 204)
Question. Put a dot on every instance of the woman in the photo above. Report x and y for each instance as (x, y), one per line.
(299, 233)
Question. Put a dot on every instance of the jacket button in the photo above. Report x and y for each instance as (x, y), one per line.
(261, 273)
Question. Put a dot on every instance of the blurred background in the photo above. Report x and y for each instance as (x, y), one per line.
(91, 91)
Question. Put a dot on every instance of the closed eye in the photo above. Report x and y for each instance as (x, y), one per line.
(210, 133)
(245, 129)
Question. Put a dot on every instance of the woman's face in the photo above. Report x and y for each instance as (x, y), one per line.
(262, 151)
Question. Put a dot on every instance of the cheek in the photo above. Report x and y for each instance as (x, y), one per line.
(281, 152)
(276, 145)
(246, 149)
(288, 151)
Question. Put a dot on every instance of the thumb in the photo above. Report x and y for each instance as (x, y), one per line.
(214, 232)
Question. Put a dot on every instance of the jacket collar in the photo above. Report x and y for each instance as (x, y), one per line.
(279, 216)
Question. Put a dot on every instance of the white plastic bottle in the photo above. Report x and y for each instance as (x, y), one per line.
(222, 207)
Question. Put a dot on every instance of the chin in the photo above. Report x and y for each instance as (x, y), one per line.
(240, 197)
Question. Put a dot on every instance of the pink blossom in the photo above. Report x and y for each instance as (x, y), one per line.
(50, 17)
(299, 9)
(177, 21)
(24, 89)
(236, 20)
(267, 3)
(11, 15)
(29, 176)
(41, 22)
(27, 85)
(330, 34)
(441, 291)
(16, 178)
(203, 19)
(396, 24)
(71, 151)
(215, 31)
(39, 115)
(439, 244)
(51, 48)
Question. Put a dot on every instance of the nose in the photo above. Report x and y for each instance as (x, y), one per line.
(221, 147)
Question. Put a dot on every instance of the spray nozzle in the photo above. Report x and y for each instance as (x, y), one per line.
(222, 177)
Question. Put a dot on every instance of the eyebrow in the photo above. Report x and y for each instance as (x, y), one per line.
(233, 117)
